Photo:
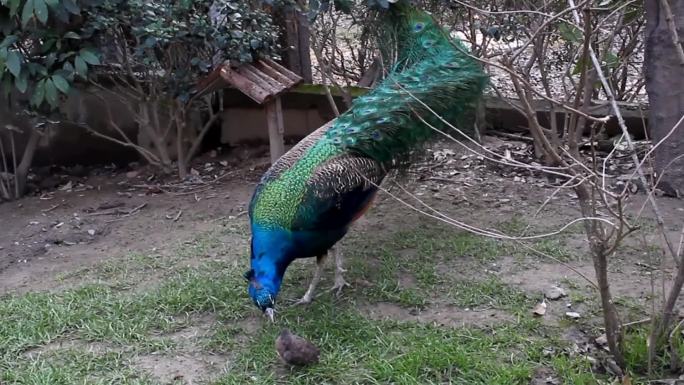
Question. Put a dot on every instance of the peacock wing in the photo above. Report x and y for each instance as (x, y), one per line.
(338, 192)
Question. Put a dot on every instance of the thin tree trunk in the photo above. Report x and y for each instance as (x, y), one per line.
(200, 138)
(664, 70)
(21, 173)
(154, 132)
(4, 174)
(180, 148)
(594, 233)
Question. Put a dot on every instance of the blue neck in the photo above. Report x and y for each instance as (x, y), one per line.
(271, 255)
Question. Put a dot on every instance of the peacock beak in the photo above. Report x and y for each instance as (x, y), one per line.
(270, 313)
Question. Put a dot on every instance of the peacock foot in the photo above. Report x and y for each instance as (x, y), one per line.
(309, 295)
(305, 300)
(340, 283)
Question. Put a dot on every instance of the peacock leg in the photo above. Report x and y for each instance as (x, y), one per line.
(308, 296)
(340, 283)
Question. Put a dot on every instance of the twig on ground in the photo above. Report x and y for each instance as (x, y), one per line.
(131, 212)
(175, 217)
(51, 208)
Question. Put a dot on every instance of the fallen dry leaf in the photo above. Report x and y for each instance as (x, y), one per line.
(540, 309)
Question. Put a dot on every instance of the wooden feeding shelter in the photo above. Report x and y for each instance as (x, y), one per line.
(263, 81)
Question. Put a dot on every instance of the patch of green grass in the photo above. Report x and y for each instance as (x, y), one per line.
(384, 275)
(514, 226)
(434, 242)
(358, 350)
(631, 306)
(488, 292)
(391, 292)
(223, 337)
(139, 268)
(73, 366)
(425, 254)
(555, 247)
(573, 371)
(98, 313)
(576, 297)
(636, 351)
(355, 349)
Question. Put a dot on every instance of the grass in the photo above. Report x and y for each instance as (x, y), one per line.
(382, 352)
(116, 312)
(636, 351)
(489, 292)
(73, 366)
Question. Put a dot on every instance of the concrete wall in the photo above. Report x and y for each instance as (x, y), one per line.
(243, 122)
(248, 125)
(67, 141)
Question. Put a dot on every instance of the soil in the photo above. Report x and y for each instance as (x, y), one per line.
(64, 230)
(438, 315)
(110, 213)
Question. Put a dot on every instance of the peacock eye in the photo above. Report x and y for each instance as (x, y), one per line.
(249, 274)
(418, 27)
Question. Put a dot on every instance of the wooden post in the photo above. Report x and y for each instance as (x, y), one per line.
(276, 128)
(296, 41)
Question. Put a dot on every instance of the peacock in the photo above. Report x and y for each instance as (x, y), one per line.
(308, 199)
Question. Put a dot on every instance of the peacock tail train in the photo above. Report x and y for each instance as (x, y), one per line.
(432, 74)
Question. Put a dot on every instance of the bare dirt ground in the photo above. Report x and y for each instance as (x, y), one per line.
(112, 214)
(105, 217)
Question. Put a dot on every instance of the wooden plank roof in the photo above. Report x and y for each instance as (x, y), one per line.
(262, 80)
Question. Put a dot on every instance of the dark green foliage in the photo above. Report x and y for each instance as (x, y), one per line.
(46, 45)
(44, 48)
(317, 6)
(182, 40)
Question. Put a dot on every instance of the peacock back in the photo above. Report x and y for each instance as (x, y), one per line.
(432, 80)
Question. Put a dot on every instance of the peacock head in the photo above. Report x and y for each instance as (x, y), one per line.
(262, 294)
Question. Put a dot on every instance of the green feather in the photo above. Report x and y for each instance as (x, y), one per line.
(433, 70)
(387, 123)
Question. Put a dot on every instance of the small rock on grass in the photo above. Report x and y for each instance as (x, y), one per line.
(602, 340)
(573, 314)
(554, 293)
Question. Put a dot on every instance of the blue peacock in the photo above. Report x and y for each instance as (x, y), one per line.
(306, 202)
